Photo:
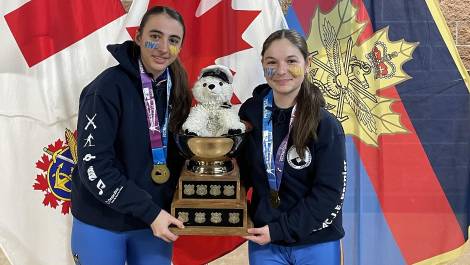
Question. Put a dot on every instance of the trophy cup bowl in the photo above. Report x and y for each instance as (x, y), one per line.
(209, 155)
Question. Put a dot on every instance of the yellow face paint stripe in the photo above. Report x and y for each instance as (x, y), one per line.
(174, 50)
(296, 70)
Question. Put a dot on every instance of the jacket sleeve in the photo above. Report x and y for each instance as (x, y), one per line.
(320, 207)
(99, 170)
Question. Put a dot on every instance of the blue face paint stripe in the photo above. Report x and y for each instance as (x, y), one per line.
(151, 44)
(269, 72)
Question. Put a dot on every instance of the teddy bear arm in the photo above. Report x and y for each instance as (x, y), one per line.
(196, 121)
(232, 123)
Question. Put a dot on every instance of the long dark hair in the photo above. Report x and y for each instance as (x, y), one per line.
(309, 100)
(182, 98)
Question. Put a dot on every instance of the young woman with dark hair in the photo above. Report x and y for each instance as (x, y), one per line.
(294, 158)
(128, 164)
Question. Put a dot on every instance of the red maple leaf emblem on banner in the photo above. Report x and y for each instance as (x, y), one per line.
(56, 165)
(217, 33)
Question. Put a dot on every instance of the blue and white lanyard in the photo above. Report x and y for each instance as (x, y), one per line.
(274, 166)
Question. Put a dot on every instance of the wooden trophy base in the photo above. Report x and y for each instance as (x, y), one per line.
(211, 205)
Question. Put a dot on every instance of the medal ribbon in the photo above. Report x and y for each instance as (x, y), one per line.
(274, 167)
(158, 137)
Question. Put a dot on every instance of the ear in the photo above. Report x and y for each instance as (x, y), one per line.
(138, 37)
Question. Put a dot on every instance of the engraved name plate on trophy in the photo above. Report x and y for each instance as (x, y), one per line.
(209, 199)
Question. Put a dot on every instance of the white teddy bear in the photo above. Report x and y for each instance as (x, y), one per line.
(213, 115)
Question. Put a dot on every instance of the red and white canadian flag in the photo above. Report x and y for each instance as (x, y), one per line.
(50, 50)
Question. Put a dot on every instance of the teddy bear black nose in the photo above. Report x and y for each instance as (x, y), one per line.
(211, 86)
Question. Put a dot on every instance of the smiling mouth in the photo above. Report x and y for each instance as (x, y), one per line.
(158, 58)
(282, 80)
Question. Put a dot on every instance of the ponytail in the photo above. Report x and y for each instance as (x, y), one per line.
(307, 115)
(182, 98)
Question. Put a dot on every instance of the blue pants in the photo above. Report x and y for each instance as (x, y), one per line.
(328, 253)
(92, 245)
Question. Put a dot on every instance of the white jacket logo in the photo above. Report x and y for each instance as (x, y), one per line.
(295, 161)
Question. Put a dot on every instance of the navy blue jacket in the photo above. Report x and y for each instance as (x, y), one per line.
(111, 185)
(312, 189)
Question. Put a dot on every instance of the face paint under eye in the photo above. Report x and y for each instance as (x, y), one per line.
(295, 70)
(269, 72)
(174, 50)
(151, 44)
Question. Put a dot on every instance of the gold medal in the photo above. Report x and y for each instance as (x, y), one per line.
(275, 200)
(160, 173)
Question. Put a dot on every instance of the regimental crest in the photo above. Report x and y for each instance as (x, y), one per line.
(350, 70)
(57, 164)
(229, 190)
(234, 218)
(215, 190)
(216, 218)
(188, 189)
(201, 190)
(200, 217)
(183, 217)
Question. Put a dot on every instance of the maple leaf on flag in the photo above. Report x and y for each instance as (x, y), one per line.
(51, 200)
(351, 70)
(65, 207)
(56, 146)
(49, 34)
(41, 183)
(214, 34)
(44, 163)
